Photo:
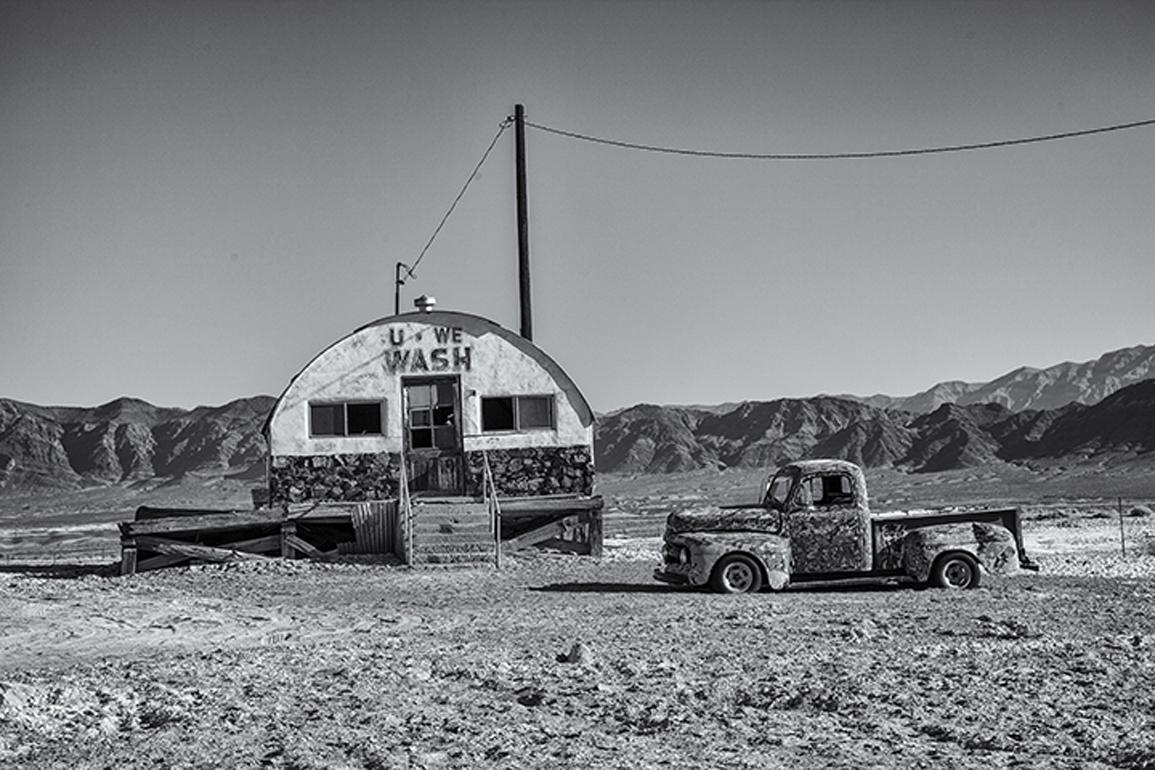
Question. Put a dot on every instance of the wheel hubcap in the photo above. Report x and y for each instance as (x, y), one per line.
(738, 577)
(958, 574)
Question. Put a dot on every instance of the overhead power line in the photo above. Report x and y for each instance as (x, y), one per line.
(839, 155)
(409, 269)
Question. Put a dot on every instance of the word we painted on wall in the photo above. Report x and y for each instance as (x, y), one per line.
(452, 355)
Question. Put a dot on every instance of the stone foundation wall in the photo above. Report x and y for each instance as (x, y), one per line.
(333, 478)
(525, 472)
(533, 471)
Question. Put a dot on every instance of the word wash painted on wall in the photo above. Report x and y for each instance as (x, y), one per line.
(452, 356)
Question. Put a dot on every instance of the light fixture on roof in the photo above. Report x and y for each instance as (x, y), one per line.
(425, 303)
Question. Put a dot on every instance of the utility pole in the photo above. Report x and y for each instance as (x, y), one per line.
(522, 223)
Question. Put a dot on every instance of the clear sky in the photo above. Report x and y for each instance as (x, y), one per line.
(197, 197)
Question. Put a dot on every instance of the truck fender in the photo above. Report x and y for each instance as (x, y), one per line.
(770, 552)
(991, 545)
(774, 562)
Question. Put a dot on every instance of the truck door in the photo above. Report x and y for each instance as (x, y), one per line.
(829, 529)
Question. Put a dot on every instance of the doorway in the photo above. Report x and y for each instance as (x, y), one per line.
(433, 450)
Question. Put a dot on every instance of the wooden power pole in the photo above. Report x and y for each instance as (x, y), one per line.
(522, 224)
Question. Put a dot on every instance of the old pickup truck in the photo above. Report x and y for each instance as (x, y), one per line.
(814, 524)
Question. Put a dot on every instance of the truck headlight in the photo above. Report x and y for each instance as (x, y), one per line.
(683, 555)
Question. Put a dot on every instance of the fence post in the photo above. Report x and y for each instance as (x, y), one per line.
(1122, 537)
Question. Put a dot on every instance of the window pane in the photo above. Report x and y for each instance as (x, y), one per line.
(327, 419)
(445, 437)
(420, 438)
(497, 413)
(418, 395)
(446, 393)
(418, 417)
(836, 490)
(534, 412)
(364, 419)
(443, 415)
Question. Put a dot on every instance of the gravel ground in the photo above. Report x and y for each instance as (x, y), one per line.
(566, 662)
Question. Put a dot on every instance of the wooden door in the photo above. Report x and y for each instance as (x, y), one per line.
(433, 435)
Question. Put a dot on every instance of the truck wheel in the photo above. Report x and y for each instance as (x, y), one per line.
(736, 574)
(956, 570)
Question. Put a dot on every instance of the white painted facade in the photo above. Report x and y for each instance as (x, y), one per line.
(371, 364)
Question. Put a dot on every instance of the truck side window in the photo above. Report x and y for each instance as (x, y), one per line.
(809, 492)
(825, 491)
(836, 490)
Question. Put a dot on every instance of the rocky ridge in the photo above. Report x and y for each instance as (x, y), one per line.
(763, 434)
(127, 440)
(1087, 382)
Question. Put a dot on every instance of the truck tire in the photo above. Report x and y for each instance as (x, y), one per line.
(736, 574)
(956, 571)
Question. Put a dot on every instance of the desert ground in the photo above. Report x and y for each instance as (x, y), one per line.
(561, 661)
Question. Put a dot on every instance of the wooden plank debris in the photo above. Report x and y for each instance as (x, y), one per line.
(550, 504)
(212, 521)
(302, 546)
(555, 529)
(167, 546)
(160, 562)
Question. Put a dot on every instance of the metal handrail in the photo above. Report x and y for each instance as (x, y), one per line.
(405, 503)
(489, 491)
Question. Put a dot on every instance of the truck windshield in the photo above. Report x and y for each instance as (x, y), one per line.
(778, 490)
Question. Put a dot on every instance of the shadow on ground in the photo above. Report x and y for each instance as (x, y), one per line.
(61, 571)
(610, 588)
(658, 588)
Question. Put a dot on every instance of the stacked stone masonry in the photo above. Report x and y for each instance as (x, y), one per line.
(522, 472)
(336, 478)
(534, 471)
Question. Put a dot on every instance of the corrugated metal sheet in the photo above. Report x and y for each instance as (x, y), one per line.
(374, 525)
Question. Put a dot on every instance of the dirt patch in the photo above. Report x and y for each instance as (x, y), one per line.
(557, 661)
(570, 662)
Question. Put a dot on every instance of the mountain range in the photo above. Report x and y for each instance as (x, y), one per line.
(653, 439)
(1027, 388)
(128, 440)
(1071, 412)
(1102, 410)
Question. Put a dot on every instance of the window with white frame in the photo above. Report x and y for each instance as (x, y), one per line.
(516, 413)
(346, 418)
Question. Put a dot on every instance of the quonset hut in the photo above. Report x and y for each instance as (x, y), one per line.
(465, 409)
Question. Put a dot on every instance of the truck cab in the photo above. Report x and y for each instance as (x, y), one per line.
(814, 523)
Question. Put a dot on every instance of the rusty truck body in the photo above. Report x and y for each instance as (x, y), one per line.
(814, 524)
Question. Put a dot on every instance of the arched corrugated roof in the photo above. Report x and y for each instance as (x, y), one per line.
(476, 326)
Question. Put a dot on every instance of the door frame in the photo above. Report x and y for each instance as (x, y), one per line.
(433, 453)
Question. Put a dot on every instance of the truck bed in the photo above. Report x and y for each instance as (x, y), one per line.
(889, 527)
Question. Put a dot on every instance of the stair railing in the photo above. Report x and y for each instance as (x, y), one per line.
(489, 492)
(405, 512)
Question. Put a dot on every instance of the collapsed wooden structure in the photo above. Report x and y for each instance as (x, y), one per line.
(432, 531)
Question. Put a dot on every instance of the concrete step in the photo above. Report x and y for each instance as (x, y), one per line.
(451, 509)
(440, 516)
(463, 565)
(450, 528)
(432, 539)
(440, 557)
(454, 548)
